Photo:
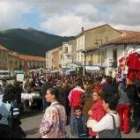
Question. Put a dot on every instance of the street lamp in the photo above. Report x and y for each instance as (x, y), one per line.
(84, 70)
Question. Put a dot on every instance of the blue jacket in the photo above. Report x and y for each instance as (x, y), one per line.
(74, 128)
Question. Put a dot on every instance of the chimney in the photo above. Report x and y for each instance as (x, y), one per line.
(82, 29)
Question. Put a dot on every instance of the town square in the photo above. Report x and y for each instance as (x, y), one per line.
(69, 69)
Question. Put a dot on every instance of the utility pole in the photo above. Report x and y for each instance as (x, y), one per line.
(84, 71)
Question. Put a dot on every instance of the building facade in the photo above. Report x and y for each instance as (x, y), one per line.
(10, 60)
(118, 48)
(94, 38)
(56, 59)
(3, 58)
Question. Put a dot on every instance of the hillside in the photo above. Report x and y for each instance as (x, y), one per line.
(30, 41)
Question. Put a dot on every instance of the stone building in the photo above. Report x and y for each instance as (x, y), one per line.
(10, 60)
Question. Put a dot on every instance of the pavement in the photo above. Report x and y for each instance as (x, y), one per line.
(31, 122)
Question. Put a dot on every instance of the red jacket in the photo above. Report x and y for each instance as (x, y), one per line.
(97, 114)
(75, 97)
(133, 61)
(97, 87)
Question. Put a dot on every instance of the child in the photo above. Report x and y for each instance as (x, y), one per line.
(79, 128)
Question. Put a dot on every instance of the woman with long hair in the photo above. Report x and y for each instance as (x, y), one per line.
(10, 122)
(54, 119)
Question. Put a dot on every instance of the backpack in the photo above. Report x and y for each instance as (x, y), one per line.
(114, 133)
(14, 114)
(14, 121)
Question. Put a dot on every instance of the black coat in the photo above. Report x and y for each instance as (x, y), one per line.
(44, 88)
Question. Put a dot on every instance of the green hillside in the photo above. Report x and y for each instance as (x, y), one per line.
(30, 41)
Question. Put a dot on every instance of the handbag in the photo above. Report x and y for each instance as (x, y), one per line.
(114, 133)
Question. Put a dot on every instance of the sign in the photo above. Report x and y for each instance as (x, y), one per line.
(20, 77)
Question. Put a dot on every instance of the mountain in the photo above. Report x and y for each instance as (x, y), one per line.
(30, 41)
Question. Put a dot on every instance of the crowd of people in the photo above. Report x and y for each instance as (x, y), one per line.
(93, 106)
(12, 106)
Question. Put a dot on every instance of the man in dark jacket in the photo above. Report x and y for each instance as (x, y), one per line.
(109, 88)
(44, 88)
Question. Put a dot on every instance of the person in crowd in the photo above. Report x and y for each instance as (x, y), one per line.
(79, 128)
(10, 121)
(62, 92)
(54, 119)
(106, 123)
(109, 88)
(3, 86)
(136, 113)
(32, 83)
(89, 100)
(44, 87)
(97, 82)
(96, 112)
(67, 87)
(75, 97)
(18, 90)
(124, 111)
(27, 85)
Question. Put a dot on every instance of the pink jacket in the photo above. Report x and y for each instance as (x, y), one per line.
(53, 122)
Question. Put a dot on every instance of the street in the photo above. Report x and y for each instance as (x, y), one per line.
(31, 124)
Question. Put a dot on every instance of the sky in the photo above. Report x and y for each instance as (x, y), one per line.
(67, 17)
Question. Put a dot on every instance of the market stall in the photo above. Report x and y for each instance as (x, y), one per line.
(31, 101)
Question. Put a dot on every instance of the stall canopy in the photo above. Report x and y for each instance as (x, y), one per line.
(73, 65)
(92, 68)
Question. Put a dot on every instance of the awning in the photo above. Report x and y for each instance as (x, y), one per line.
(73, 65)
(92, 68)
(54, 71)
(67, 72)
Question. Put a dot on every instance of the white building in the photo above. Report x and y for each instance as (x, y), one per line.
(80, 47)
(114, 50)
(49, 60)
(67, 55)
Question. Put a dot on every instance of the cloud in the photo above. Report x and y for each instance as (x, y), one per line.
(64, 25)
(11, 13)
(89, 13)
(66, 17)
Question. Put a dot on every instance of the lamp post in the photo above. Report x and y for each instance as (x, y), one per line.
(84, 71)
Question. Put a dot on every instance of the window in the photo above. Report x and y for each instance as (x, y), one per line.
(98, 57)
(106, 39)
(65, 49)
(115, 54)
(61, 56)
(114, 64)
(103, 57)
(90, 62)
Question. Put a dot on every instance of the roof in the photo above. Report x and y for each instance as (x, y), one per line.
(3, 48)
(27, 57)
(99, 27)
(131, 37)
(128, 32)
(30, 57)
